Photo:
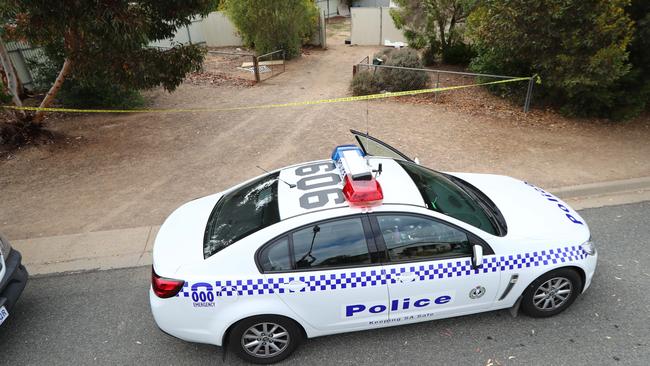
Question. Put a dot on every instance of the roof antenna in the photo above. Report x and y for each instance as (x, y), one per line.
(281, 180)
(367, 116)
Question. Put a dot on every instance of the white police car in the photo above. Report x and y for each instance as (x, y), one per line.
(359, 242)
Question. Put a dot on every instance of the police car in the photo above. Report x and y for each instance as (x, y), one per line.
(366, 239)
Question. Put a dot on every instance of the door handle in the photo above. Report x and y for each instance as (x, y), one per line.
(294, 286)
(406, 278)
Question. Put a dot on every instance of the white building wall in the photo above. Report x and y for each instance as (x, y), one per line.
(365, 26)
(388, 29)
(373, 26)
(219, 31)
(215, 30)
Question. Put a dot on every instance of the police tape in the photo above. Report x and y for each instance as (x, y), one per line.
(265, 106)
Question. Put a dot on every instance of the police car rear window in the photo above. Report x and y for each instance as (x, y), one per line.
(242, 212)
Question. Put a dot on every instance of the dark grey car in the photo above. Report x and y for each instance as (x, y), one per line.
(13, 278)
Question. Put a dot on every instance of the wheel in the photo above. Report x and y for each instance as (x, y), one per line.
(264, 339)
(551, 293)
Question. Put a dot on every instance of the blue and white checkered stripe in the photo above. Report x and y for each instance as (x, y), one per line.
(346, 280)
(542, 258)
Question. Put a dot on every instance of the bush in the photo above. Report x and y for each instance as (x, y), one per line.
(273, 25)
(429, 56)
(578, 48)
(365, 83)
(458, 54)
(397, 79)
(96, 91)
(392, 80)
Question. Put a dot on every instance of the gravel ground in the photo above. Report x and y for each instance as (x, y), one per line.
(114, 171)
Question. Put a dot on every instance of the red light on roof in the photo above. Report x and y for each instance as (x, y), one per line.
(362, 192)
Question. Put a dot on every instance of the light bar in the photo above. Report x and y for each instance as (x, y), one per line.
(360, 187)
(354, 166)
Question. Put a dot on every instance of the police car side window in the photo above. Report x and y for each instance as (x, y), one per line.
(332, 244)
(412, 238)
(275, 257)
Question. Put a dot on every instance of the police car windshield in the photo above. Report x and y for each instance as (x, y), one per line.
(242, 212)
(443, 195)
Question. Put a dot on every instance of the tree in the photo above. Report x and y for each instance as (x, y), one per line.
(273, 25)
(631, 94)
(109, 36)
(433, 25)
(577, 47)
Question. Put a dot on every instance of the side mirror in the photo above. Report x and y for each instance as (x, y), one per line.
(477, 258)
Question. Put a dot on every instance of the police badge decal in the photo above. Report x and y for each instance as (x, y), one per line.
(477, 292)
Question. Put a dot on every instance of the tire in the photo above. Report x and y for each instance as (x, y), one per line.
(286, 335)
(548, 296)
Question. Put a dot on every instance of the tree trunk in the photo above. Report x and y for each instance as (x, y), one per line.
(12, 80)
(443, 39)
(51, 94)
(452, 24)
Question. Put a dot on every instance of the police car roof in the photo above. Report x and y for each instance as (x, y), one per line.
(318, 186)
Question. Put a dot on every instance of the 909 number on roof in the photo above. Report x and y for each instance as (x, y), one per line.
(316, 176)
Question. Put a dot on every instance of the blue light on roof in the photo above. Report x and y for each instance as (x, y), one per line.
(336, 154)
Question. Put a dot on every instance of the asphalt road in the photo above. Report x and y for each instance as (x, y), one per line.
(104, 318)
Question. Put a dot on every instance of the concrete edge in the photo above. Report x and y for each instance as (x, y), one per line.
(602, 188)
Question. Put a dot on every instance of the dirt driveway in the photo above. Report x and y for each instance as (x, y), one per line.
(117, 171)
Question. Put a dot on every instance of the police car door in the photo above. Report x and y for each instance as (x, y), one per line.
(376, 147)
(429, 268)
(331, 281)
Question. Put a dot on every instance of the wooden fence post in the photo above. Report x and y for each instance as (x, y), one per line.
(256, 68)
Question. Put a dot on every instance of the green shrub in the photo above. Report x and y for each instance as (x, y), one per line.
(365, 83)
(273, 25)
(578, 48)
(458, 54)
(96, 91)
(392, 80)
(429, 56)
(397, 79)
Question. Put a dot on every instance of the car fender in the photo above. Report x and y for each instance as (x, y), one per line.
(585, 268)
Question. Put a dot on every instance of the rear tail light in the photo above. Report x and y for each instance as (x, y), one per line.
(165, 287)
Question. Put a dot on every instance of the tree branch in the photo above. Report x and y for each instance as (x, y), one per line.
(51, 94)
(71, 46)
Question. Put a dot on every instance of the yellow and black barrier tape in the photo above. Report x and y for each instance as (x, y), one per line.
(264, 106)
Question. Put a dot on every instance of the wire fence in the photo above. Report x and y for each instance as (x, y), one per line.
(271, 64)
(446, 78)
